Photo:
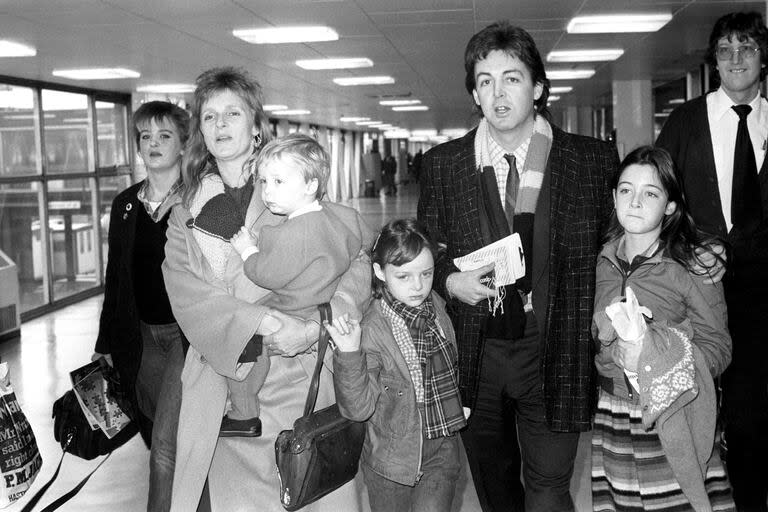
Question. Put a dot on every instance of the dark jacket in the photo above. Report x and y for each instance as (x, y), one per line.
(687, 137)
(373, 385)
(573, 205)
(119, 333)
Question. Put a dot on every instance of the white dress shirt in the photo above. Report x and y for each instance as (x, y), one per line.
(723, 125)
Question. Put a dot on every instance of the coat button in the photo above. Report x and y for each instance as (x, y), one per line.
(647, 368)
(399, 393)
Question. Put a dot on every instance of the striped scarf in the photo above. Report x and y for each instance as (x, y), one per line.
(533, 168)
(443, 413)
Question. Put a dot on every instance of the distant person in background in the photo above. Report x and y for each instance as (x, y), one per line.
(718, 142)
(417, 164)
(138, 333)
(388, 170)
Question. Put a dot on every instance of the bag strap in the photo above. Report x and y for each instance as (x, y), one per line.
(65, 497)
(326, 315)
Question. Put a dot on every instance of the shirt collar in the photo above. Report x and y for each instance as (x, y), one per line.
(314, 206)
(166, 203)
(497, 153)
(721, 103)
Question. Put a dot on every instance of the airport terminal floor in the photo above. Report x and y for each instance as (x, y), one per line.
(56, 343)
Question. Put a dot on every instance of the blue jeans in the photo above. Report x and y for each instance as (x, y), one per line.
(435, 490)
(158, 390)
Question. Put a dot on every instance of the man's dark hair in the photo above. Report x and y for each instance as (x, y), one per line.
(514, 41)
(740, 25)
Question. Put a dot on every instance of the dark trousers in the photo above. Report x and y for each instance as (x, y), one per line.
(508, 426)
(745, 410)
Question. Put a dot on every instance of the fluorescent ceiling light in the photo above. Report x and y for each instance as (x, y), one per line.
(294, 112)
(14, 49)
(96, 73)
(418, 139)
(166, 88)
(569, 74)
(272, 108)
(424, 133)
(553, 98)
(606, 54)
(454, 133)
(384, 127)
(353, 119)
(364, 80)
(439, 138)
(410, 108)
(618, 23)
(676, 101)
(560, 90)
(397, 134)
(398, 103)
(661, 114)
(278, 35)
(367, 123)
(350, 63)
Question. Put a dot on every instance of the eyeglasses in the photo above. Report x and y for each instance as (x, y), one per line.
(726, 52)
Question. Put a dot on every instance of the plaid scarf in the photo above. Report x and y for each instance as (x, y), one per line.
(443, 413)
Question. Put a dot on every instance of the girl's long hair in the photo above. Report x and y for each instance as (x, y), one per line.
(682, 239)
(398, 243)
(198, 161)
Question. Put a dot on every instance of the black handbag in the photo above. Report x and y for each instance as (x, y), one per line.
(322, 451)
(73, 432)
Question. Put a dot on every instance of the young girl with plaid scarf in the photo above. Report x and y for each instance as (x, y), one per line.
(397, 371)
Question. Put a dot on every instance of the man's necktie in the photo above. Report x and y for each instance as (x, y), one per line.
(745, 197)
(510, 193)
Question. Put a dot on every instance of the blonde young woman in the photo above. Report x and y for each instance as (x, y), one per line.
(219, 317)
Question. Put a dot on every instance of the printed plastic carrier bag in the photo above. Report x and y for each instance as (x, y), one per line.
(20, 459)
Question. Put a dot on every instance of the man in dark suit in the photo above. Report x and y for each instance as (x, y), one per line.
(526, 369)
(729, 198)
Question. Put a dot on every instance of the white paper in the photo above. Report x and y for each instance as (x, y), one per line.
(506, 253)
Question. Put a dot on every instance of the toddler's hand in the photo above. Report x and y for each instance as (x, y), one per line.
(243, 240)
(345, 332)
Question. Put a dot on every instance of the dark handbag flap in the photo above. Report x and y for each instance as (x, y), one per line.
(73, 432)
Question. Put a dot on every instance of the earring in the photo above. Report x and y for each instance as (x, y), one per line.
(257, 141)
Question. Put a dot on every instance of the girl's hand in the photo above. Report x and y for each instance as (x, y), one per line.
(345, 333)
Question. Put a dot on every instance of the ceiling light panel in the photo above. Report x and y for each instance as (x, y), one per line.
(348, 119)
(96, 73)
(364, 80)
(618, 23)
(398, 103)
(560, 89)
(604, 55)
(272, 108)
(346, 63)
(411, 108)
(282, 35)
(14, 49)
(293, 112)
(569, 74)
(166, 88)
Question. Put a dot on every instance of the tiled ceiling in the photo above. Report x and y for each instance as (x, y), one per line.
(418, 42)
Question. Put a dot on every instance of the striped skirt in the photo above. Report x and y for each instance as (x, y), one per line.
(630, 472)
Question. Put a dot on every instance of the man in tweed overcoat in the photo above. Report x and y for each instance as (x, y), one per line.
(527, 374)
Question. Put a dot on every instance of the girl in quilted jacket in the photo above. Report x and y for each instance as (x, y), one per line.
(662, 337)
(397, 371)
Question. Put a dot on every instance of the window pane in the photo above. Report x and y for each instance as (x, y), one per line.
(20, 239)
(67, 132)
(18, 151)
(70, 222)
(110, 119)
(109, 188)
